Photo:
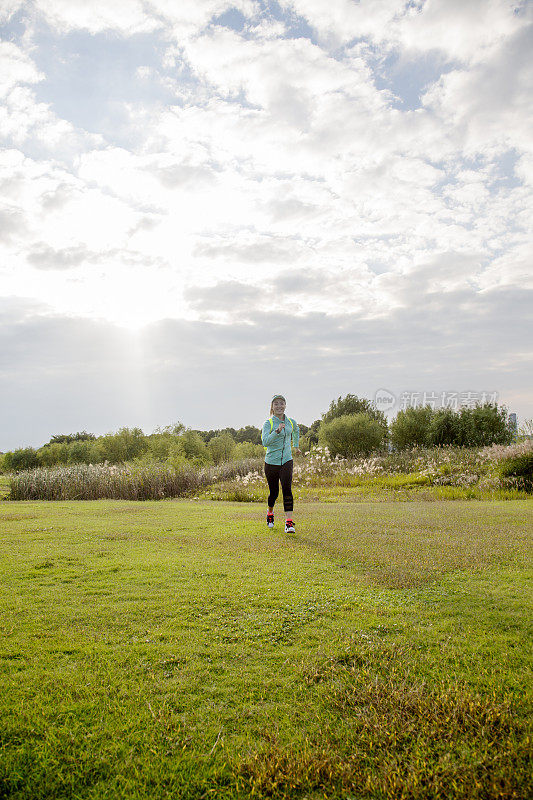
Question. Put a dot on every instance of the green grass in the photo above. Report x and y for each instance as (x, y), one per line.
(396, 488)
(181, 650)
(5, 483)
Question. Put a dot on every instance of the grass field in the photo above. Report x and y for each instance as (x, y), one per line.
(179, 649)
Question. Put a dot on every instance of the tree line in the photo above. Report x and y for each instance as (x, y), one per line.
(352, 426)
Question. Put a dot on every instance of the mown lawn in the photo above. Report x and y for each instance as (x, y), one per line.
(179, 649)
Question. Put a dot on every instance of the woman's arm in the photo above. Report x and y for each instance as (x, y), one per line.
(268, 437)
(296, 438)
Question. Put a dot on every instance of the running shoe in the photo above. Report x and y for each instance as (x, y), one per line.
(289, 526)
(270, 520)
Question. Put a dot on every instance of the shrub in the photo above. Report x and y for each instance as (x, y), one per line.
(67, 438)
(230, 469)
(248, 450)
(443, 428)
(479, 426)
(23, 458)
(192, 447)
(177, 460)
(221, 447)
(351, 404)
(310, 437)
(520, 468)
(352, 435)
(81, 452)
(410, 427)
(306, 443)
(52, 454)
(159, 445)
(124, 445)
(484, 425)
(248, 434)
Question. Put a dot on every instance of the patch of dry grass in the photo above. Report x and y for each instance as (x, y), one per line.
(391, 736)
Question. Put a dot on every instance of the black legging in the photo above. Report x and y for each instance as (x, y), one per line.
(274, 474)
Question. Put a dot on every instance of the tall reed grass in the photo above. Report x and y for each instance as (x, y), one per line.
(242, 479)
(153, 481)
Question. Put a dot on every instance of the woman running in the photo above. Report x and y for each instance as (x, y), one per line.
(278, 435)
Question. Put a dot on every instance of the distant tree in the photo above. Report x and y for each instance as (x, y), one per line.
(159, 445)
(83, 436)
(60, 438)
(221, 447)
(351, 404)
(124, 445)
(247, 450)
(162, 441)
(23, 458)
(248, 434)
(478, 426)
(191, 446)
(50, 455)
(66, 438)
(484, 425)
(206, 435)
(410, 427)
(443, 428)
(310, 437)
(81, 452)
(171, 430)
(352, 435)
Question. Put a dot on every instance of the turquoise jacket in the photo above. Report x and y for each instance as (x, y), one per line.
(279, 445)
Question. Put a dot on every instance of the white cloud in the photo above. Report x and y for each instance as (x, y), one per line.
(124, 16)
(192, 15)
(251, 249)
(22, 119)
(15, 68)
(462, 29)
(286, 77)
(8, 8)
(465, 30)
(489, 105)
(340, 21)
(274, 175)
(129, 17)
(45, 257)
(26, 123)
(511, 269)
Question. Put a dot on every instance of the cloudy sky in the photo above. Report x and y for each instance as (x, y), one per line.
(205, 202)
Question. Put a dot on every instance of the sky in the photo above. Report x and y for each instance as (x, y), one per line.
(206, 203)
